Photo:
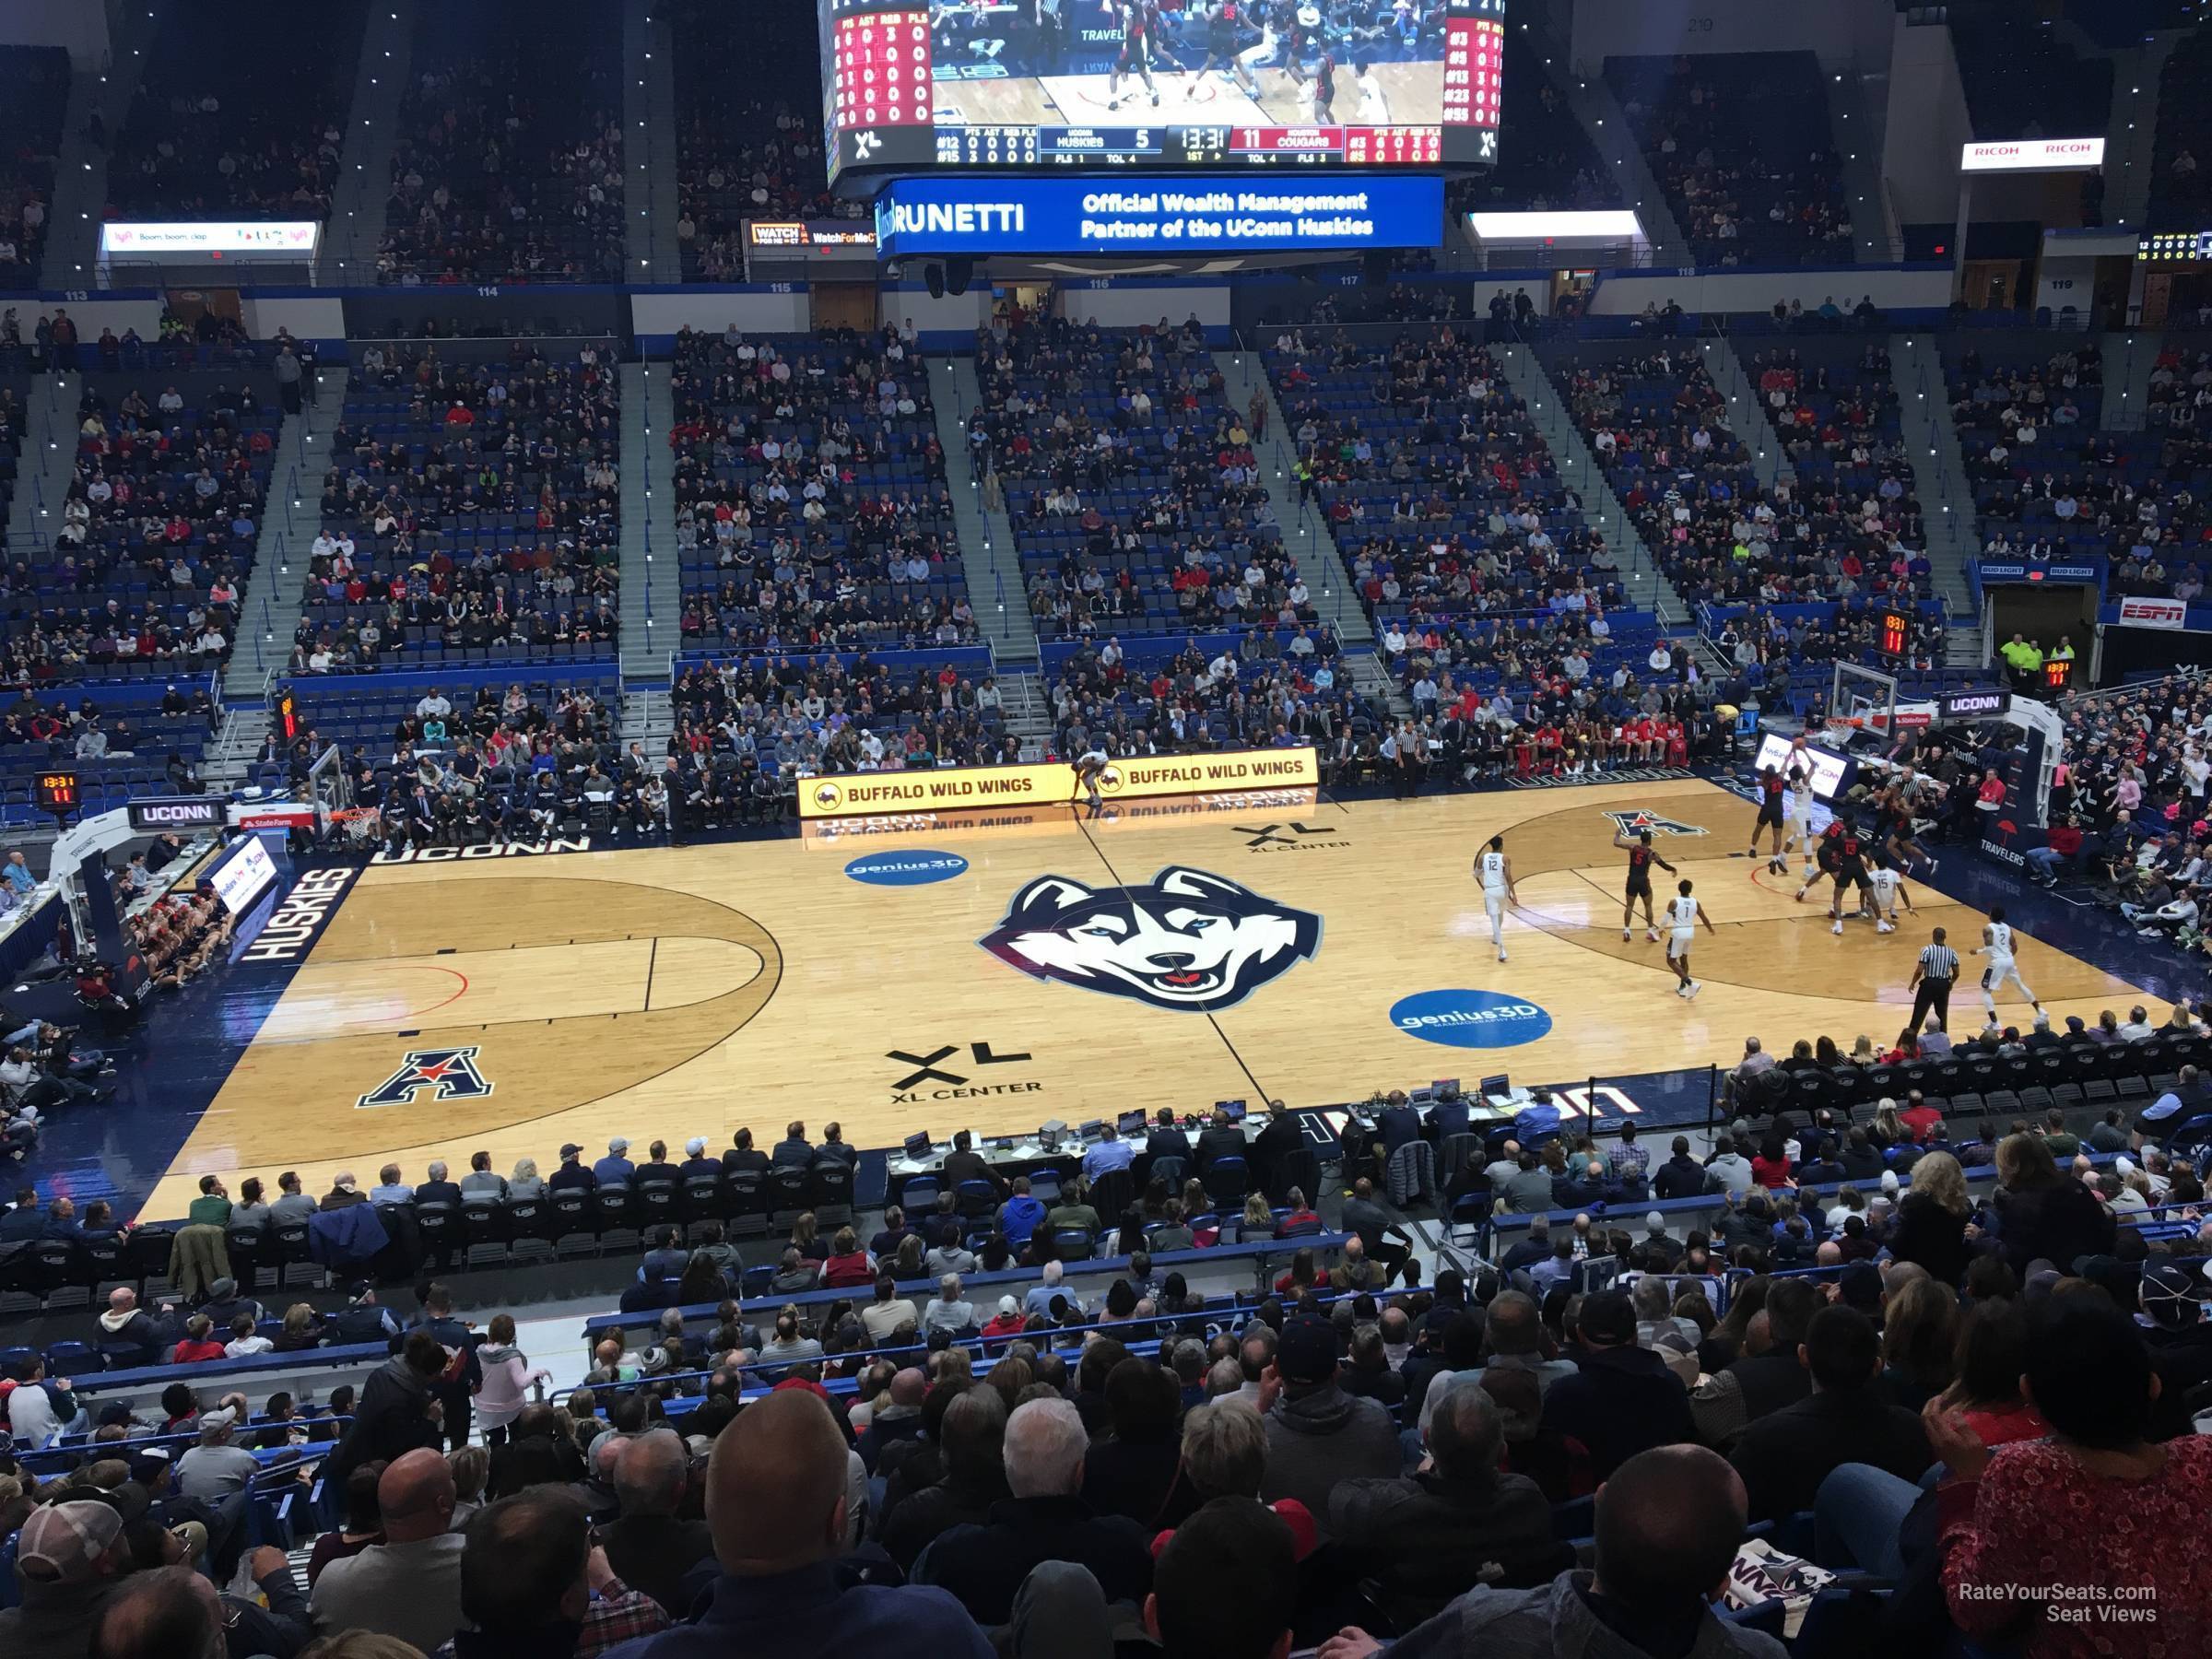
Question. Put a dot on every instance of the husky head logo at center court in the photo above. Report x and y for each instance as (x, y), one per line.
(1185, 940)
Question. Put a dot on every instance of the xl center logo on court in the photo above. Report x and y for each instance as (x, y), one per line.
(1293, 837)
(1187, 940)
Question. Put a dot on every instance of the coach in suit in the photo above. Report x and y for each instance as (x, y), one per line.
(965, 1163)
(1220, 1139)
(1167, 1140)
(1272, 1149)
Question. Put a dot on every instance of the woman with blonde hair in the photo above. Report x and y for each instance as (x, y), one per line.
(302, 1329)
(1863, 1052)
(805, 1238)
(1887, 1130)
(1259, 1220)
(1931, 1221)
(525, 1182)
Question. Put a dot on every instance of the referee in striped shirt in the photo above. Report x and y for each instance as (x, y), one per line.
(1933, 977)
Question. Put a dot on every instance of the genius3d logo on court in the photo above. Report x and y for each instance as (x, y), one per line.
(1186, 940)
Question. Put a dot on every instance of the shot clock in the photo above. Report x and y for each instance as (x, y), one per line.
(56, 792)
(1897, 633)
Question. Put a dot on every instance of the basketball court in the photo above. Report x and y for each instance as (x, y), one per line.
(1024, 966)
(1414, 92)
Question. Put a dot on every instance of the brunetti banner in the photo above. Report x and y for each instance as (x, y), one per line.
(1053, 783)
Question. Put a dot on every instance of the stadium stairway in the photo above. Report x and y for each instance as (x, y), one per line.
(356, 204)
(48, 462)
(1856, 115)
(1606, 124)
(649, 144)
(987, 549)
(271, 600)
(1579, 472)
(229, 757)
(1947, 497)
(649, 612)
(2131, 136)
(80, 173)
(1746, 415)
(1306, 533)
(2127, 360)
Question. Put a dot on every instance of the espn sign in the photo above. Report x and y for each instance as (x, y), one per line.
(155, 813)
(2140, 612)
(2034, 155)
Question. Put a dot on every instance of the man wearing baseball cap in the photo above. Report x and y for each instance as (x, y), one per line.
(1317, 1434)
(2178, 1334)
(1622, 1399)
(572, 1174)
(69, 1560)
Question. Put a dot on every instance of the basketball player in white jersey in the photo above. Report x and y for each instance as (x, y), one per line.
(1996, 944)
(1091, 766)
(1683, 914)
(1797, 773)
(1495, 871)
(1374, 108)
(1889, 886)
(1267, 54)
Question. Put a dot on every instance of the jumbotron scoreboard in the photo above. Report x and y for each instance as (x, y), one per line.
(1013, 85)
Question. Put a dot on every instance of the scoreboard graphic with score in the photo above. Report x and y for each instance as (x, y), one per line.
(1158, 84)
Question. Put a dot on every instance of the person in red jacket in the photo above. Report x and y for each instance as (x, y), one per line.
(199, 1342)
(1007, 1322)
(1919, 1116)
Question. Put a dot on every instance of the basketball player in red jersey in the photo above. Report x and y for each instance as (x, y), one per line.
(1770, 816)
(1852, 850)
(1642, 856)
(1140, 24)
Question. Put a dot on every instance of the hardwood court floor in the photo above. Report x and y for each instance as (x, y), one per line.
(1415, 93)
(683, 992)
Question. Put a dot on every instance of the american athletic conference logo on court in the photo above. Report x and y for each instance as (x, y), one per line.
(1187, 940)
(1638, 820)
(451, 1073)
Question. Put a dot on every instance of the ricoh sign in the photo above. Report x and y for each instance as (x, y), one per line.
(2034, 155)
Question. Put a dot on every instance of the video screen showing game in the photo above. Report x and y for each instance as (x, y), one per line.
(1161, 83)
